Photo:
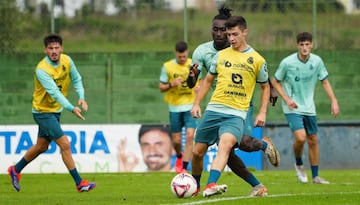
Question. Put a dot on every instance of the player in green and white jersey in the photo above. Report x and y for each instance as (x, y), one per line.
(295, 81)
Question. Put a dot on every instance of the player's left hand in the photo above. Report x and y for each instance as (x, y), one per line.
(335, 110)
(260, 120)
(82, 103)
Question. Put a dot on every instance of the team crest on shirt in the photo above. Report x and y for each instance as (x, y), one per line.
(63, 67)
(250, 60)
(227, 64)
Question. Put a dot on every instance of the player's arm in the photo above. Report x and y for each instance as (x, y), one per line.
(164, 84)
(264, 101)
(78, 86)
(335, 110)
(204, 88)
(290, 103)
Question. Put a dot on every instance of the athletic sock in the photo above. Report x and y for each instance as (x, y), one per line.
(298, 161)
(20, 165)
(185, 164)
(197, 178)
(264, 145)
(315, 171)
(252, 180)
(214, 176)
(75, 175)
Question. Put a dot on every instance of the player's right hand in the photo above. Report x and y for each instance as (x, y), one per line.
(77, 113)
(193, 70)
(196, 111)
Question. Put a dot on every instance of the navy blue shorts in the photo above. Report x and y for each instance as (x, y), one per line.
(297, 122)
(214, 124)
(49, 125)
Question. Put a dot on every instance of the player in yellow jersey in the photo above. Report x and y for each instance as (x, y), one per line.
(180, 99)
(52, 79)
(202, 56)
(237, 69)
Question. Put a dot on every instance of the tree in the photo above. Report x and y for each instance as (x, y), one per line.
(9, 18)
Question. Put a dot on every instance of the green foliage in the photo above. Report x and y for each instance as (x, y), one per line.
(154, 188)
(9, 19)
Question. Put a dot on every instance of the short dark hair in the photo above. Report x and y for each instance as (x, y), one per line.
(304, 36)
(147, 128)
(224, 13)
(234, 21)
(51, 38)
(181, 46)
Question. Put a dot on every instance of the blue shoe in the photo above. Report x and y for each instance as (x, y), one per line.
(85, 186)
(15, 178)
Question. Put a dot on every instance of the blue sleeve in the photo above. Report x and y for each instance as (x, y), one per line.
(49, 85)
(76, 80)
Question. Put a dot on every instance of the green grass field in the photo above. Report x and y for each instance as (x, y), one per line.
(154, 188)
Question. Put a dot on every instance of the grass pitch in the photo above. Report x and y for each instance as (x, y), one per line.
(154, 188)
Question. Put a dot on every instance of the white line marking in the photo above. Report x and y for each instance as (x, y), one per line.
(271, 196)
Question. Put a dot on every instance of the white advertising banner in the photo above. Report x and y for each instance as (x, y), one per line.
(95, 148)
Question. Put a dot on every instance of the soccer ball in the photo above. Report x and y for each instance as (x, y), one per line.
(183, 185)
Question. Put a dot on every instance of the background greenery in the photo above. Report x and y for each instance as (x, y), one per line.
(120, 56)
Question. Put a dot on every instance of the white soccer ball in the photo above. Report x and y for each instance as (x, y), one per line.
(183, 185)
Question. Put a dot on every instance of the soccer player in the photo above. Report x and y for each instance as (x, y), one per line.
(53, 75)
(180, 98)
(295, 81)
(201, 58)
(237, 69)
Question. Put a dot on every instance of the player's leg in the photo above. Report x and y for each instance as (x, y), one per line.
(296, 124)
(250, 144)
(197, 162)
(206, 135)
(81, 184)
(310, 124)
(176, 126)
(239, 168)
(44, 121)
(190, 124)
(14, 171)
(229, 133)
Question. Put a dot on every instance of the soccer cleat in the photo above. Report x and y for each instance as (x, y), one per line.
(319, 180)
(196, 192)
(15, 178)
(213, 189)
(85, 186)
(301, 174)
(258, 191)
(183, 170)
(178, 165)
(271, 152)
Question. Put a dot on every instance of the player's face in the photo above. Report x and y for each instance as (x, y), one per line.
(181, 57)
(237, 37)
(218, 31)
(304, 48)
(53, 51)
(157, 149)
